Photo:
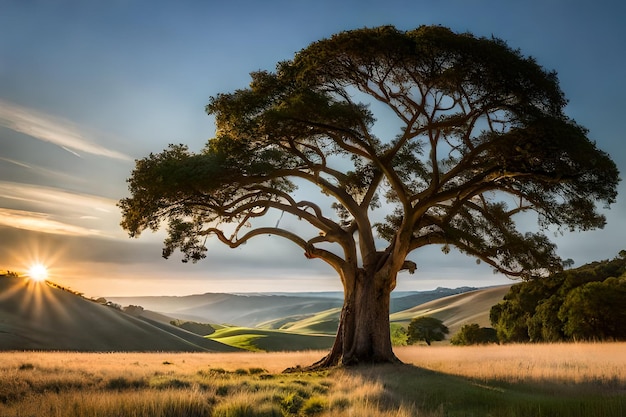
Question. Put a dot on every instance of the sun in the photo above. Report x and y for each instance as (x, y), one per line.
(38, 272)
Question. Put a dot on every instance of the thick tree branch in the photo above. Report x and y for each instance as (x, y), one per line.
(309, 249)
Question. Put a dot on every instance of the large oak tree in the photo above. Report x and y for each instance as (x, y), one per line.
(480, 138)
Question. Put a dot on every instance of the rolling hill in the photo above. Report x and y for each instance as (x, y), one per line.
(267, 310)
(324, 322)
(457, 310)
(454, 310)
(246, 310)
(37, 316)
(272, 340)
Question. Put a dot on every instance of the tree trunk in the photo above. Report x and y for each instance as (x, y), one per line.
(363, 335)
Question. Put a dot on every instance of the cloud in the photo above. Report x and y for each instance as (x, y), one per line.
(14, 162)
(47, 173)
(51, 210)
(52, 129)
(41, 222)
(64, 200)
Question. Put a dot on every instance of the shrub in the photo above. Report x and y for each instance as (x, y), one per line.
(245, 409)
(174, 383)
(202, 329)
(121, 383)
(398, 335)
(314, 405)
(473, 334)
(292, 403)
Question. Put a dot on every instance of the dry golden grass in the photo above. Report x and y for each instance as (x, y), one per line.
(142, 364)
(61, 384)
(578, 363)
(511, 380)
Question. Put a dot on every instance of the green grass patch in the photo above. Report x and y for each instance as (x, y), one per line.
(325, 322)
(265, 340)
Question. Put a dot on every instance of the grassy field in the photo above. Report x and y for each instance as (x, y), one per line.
(508, 381)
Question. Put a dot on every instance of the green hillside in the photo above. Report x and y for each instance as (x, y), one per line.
(270, 340)
(324, 322)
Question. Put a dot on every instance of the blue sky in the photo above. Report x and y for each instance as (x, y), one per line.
(86, 87)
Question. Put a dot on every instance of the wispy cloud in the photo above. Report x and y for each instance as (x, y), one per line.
(48, 173)
(41, 222)
(52, 129)
(56, 198)
(14, 162)
(52, 210)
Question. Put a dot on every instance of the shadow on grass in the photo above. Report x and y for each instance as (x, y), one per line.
(452, 396)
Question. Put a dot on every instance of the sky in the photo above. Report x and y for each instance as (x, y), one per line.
(87, 87)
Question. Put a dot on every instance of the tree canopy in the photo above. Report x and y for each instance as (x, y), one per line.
(586, 303)
(427, 329)
(480, 137)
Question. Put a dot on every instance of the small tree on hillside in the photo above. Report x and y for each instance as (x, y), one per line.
(427, 329)
(474, 133)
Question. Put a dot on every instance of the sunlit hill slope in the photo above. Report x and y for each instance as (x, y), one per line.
(457, 310)
(37, 316)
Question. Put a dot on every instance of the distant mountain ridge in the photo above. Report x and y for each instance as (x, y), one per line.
(252, 309)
